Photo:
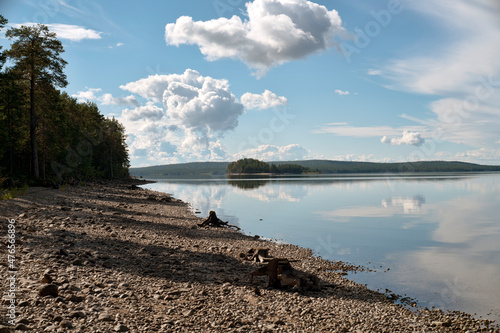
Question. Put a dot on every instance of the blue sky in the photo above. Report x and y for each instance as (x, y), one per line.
(395, 80)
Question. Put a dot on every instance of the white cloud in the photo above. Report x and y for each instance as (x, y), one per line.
(266, 100)
(108, 99)
(343, 129)
(116, 45)
(459, 64)
(192, 101)
(276, 31)
(463, 72)
(275, 153)
(342, 92)
(374, 72)
(408, 138)
(74, 33)
(153, 86)
(85, 96)
(197, 111)
(149, 111)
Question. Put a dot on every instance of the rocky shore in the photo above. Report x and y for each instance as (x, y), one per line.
(116, 258)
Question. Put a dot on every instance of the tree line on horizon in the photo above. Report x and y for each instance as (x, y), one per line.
(251, 165)
(219, 169)
(45, 134)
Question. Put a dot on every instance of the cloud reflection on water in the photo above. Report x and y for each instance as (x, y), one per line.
(439, 236)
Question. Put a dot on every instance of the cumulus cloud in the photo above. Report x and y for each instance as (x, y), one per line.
(275, 153)
(108, 99)
(74, 33)
(266, 100)
(408, 138)
(148, 111)
(192, 101)
(85, 96)
(276, 31)
(196, 112)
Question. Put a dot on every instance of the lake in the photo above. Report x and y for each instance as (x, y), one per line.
(433, 237)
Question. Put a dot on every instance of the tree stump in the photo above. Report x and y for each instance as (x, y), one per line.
(213, 221)
(279, 270)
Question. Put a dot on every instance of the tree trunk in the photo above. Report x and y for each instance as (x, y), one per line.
(111, 161)
(35, 172)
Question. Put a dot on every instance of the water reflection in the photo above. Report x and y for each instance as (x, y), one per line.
(409, 205)
(247, 184)
(440, 235)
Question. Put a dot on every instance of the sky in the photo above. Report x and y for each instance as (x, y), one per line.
(219, 80)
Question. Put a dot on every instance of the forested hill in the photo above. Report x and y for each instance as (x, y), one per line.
(181, 170)
(324, 166)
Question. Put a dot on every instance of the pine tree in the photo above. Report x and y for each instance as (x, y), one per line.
(36, 56)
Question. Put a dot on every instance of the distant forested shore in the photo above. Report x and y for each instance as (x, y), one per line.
(210, 169)
(47, 136)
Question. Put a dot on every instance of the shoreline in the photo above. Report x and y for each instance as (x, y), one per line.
(123, 258)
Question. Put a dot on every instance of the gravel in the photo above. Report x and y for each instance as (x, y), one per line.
(111, 257)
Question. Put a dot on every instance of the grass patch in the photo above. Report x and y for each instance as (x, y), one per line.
(6, 194)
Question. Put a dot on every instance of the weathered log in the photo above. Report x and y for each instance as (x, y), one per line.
(213, 221)
(257, 255)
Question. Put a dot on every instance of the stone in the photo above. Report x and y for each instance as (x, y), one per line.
(66, 324)
(188, 313)
(24, 303)
(77, 262)
(77, 314)
(105, 317)
(21, 327)
(49, 289)
(76, 298)
(121, 328)
(47, 279)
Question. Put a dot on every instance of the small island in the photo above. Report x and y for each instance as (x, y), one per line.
(251, 166)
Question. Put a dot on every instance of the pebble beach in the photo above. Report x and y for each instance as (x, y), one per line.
(113, 257)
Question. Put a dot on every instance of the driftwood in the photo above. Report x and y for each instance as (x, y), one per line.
(257, 255)
(279, 270)
(213, 221)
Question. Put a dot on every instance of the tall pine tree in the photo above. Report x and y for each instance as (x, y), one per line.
(35, 53)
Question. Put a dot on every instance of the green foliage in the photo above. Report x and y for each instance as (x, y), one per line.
(73, 141)
(185, 170)
(250, 165)
(202, 169)
(6, 194)
(3, 22)
(340, 167)
(35, 53)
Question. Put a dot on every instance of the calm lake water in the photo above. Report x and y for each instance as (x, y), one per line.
(434, 237)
